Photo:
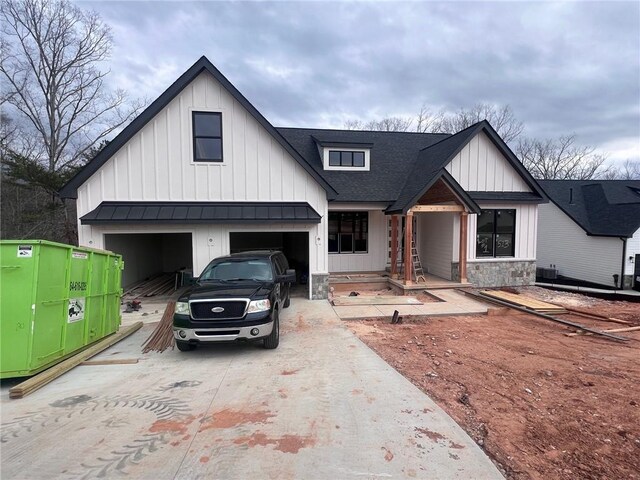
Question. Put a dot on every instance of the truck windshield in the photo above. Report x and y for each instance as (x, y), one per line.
(237, 270)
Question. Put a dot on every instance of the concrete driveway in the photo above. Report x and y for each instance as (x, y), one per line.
(321, 406)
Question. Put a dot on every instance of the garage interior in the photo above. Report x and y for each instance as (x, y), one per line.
(294, 245)
(148, 255)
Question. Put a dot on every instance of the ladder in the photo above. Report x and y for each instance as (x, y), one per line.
(416, 265)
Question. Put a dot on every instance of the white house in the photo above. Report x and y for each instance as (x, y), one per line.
(201, 173)
(590, 231)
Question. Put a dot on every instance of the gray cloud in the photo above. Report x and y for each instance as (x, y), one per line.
(563, 67)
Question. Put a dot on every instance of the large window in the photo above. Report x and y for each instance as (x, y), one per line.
(495, 235)
(346, 159)
(348, 232)
(207, 137)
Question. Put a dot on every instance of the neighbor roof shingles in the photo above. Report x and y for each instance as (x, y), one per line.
(601, 207)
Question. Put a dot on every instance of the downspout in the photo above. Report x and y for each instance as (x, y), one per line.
(624, 256)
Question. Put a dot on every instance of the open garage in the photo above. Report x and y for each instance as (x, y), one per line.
(147, 255)
(294, 245)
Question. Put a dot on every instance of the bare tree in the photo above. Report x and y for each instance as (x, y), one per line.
(560, 159)
(51, 57)
(500, 118)
(629, 170)
(387, 124)
(429, 121)
(56, 106)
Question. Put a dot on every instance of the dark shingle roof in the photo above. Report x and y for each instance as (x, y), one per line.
(403, 165)
(393, 155)
(601, 207)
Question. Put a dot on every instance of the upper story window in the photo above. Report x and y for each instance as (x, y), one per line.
(354, 157)
(339, 158)
(495, 233)
(207, 137)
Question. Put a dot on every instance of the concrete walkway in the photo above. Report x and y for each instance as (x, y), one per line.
(321, 406)
(452, 303)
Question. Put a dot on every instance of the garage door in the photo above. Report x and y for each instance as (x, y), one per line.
(294, 245)
(146, 255)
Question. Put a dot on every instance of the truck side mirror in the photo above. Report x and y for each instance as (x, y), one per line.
(288, 277)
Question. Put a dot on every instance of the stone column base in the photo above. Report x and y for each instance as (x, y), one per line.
(319, 286)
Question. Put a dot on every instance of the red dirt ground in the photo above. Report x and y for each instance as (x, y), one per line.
(542, 405)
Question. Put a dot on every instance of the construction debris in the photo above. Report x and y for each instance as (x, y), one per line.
(490, 298)
(162, 284)
(34, 383)
(162, 337)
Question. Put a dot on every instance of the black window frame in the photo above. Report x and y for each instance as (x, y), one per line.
(343, 219)
(495, 234)
(346, 155)
(196, 137)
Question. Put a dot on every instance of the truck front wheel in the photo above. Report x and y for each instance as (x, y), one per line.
(273, 340)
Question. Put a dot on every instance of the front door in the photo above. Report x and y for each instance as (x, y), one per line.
(636, 274)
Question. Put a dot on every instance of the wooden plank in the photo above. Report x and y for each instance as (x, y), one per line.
(613, 330)
(40, 380)
(112, 361)
(436, 208)
(598, 317)
(375, 300)
(524, 301)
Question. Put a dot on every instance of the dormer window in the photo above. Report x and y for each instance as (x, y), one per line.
(339, 158)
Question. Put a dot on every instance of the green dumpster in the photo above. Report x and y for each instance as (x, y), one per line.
(55, 299)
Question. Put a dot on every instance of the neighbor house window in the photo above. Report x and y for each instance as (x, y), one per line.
(495, 235)
(207, 137)
(338, 158)
(348, 232)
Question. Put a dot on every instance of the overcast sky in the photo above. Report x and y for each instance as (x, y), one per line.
(562, 67)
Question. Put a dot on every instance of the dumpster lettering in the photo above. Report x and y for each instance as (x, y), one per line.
(78, 286)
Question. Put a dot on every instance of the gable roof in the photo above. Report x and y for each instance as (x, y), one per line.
(403, 165)
(609, 208)
(202, 65)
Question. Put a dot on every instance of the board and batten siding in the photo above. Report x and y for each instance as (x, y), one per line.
(375, 260)
(480, 167)
(157, 165)
(561, 242)
(435, 242)
(633, 249)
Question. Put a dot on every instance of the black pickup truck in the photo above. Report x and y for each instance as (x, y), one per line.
(237, 297)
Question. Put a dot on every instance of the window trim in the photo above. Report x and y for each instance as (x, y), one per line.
(495, 233)
(339, 233)
(325, 158)
(194, 137)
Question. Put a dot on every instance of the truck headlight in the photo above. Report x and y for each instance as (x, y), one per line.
(259, 306)
(182, 308)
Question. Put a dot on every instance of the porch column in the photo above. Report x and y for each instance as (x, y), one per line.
(394, 245)
(462, 260)
(408, 235)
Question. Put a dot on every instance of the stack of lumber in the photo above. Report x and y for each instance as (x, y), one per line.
(162, 337)
(163, 284)
(525, 302)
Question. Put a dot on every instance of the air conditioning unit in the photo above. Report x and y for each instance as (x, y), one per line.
(550, 273)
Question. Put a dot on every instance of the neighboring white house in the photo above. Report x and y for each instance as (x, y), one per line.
(201, 173)
(590, 231)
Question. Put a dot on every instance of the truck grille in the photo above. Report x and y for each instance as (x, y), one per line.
(233, 309)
